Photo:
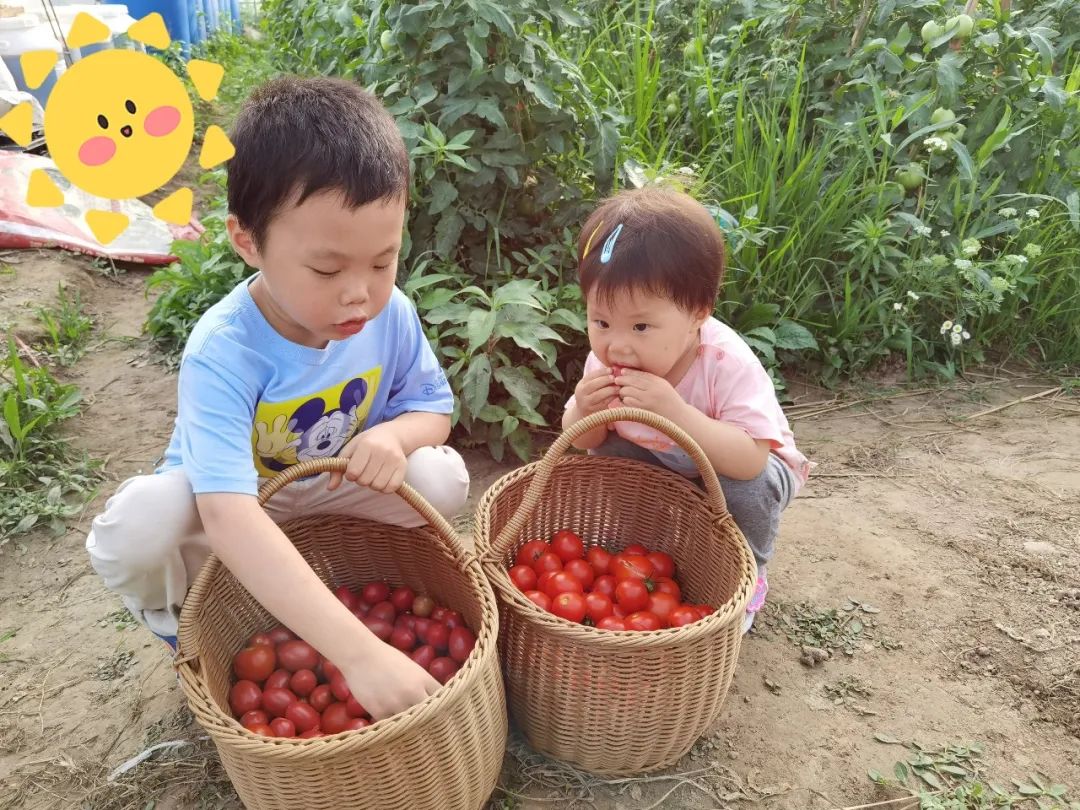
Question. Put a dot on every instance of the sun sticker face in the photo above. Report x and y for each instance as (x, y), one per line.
(119, 124)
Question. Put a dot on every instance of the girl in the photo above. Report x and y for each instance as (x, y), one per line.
(650, 264)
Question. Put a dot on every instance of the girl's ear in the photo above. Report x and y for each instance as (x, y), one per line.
(701, 316)
(242, 242)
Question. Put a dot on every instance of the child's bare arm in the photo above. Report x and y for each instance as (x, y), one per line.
(260, 556)
(594, 393)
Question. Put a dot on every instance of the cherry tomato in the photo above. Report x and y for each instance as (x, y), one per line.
(254, 717)
(361, 610)
(255, 663)
(382, 629)
(453, 619)
(438, 636)
(245, 696)
(406, 620)
(611, 623)
(303, 682)
(605, 584)
(661, 605)
(384, 611)
(705, 610)
(352, 705)
(528, 553)
(598, 606)
(540, 599)
(524, 577)
(545, 578)
(461, 643)
(424, 655)
(357, 723)
(375, 592)
(276, 701)
(548, 561)
(662, 563)
(618, 612)
(423, 605)
(599, 559)
(439, 613)
(281, 727)
(261, 728)
(643, 620)
(443, 669)
(334, 718)
(631, 566)
(581, 570)
(279, 679)
(303, 716)
(402, 598)
(683, 615)
(635, 548)
(421, 629)
(329, 669)
(260, 640)
(667, 585)
(347, 597)
(567, 545)
(281, 634)
(562, 582)
(295, 655)
(569, 606)
(321, 697)
(310, 733)
(340, 688)
(632, 595)
(403, 638)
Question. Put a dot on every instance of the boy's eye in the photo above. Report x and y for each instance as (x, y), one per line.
(323, 273)
(601, 324)
(640, 327)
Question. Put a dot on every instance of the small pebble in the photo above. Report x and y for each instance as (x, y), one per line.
(1042, 632)
(982, 652)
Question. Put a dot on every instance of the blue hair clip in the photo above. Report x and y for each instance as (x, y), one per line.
(609, 245)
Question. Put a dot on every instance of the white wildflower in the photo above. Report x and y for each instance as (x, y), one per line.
(945, 233)
(1008, 213)
(999, 284)
(957, 329)
(966, 335)
(936, 144)
(1016, 259)
(962, 264)
(1032, 213)
(923, 230)
(971, 247)
(897, 306)
(1032, 250)
(945, 327)
(956, 339)
(912, 296)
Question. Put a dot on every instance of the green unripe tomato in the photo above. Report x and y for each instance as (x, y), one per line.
(387, 40)
(964, 25)
(689, 50)
(910, 176)
(931, 30)
(942, 116)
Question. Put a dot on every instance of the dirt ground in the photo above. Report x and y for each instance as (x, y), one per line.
(956, 542)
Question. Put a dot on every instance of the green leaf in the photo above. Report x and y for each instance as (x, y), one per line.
(511, 75)
(454, 108)
(447, 233)
(521, 443)
(477, 383)
(481, 323)
(901, 771)
(521, 384)
(887, 739)
(930, 778)
(442, 194)
(967, 168)
(1039, 37)
(509, 425)
(953, 770)
(461, 138)
(497, 17)
(755, 315)
(488, 109)
(1053, 91)
(542, 93)
(950, 76)
(794, 336)
(442, 39)
(425, 93)
(492, 413)
(519, 291)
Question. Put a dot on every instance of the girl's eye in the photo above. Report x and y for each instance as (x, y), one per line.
(382, 267)
(640, 327)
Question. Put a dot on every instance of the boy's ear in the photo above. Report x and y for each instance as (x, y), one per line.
(242, 242)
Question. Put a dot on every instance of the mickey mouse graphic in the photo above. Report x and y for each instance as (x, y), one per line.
(317, 428)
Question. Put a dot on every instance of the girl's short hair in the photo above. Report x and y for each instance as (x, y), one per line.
(668, 245)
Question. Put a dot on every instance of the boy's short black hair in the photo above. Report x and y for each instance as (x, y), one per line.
(669, 245)
(296, 137)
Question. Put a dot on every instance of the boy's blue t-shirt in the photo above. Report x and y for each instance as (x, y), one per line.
(251, 402)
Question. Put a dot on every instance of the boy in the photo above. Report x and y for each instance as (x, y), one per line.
(316, 355)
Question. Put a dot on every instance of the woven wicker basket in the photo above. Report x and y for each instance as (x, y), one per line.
(617, 702)
(443, 753)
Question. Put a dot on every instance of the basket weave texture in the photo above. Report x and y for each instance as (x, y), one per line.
(617, 702)
(444, 753)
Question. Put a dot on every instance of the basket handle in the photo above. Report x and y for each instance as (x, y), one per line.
(407, 493)
(562, 445)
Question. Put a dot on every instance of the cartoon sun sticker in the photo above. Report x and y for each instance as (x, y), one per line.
(119, 123)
